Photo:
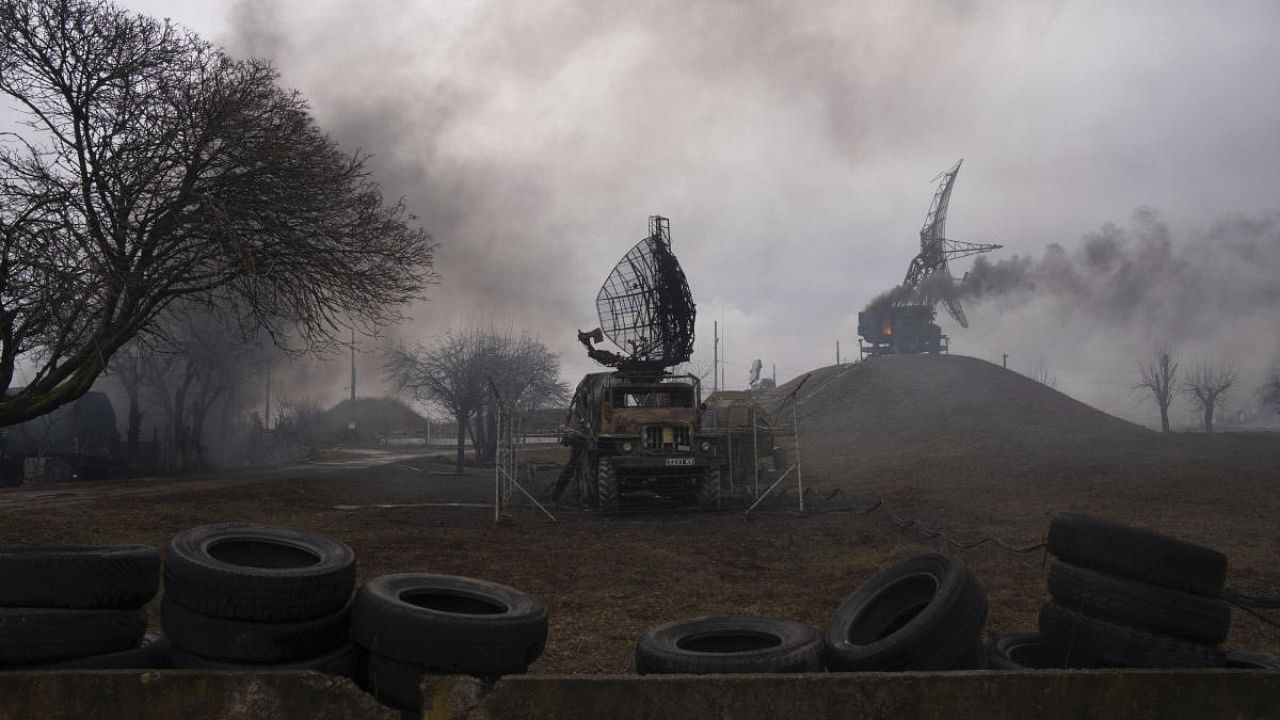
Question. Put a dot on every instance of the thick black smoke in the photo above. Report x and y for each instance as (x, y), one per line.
(1088, 312)
(791, 145)
(1138, 276)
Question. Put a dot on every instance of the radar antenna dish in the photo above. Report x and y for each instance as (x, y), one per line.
(645, 308)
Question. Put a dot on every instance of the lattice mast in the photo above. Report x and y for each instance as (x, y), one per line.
(645, 308)
(936, 250)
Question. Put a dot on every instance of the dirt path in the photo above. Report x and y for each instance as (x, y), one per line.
(23, 499)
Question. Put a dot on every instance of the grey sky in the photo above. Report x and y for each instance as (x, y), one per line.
(792, 145)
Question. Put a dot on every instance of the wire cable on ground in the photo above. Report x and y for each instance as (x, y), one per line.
(912, 524)
(1254, 613)
(1261, 602)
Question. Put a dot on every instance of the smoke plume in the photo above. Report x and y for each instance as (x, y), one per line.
(792, 146)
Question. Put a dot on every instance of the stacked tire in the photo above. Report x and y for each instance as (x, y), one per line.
(79, 607)
(260, 597)
(415, 624)
(1122, 596)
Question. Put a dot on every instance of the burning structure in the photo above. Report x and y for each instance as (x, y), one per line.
(635, 432)
(901, 320)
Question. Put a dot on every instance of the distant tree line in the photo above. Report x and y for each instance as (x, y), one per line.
(1206, 384)
(455, 372)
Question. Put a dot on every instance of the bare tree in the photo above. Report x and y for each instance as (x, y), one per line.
(450, 374)
(130, 367)
(1159, 377)
(1271, 387)
(526, 374)
(1207, 384)
(1042, 375)
(152, 167)
(455, 372)
(196, 363)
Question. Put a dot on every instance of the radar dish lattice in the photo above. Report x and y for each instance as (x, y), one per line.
(645, 305)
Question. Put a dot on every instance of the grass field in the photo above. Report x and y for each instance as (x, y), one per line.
(606, 580)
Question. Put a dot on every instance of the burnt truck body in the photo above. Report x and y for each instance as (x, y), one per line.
(900, 329)
(637, 442)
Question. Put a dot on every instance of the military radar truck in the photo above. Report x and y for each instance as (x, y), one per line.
(635, 432)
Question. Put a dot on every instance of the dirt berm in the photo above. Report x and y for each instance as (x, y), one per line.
(957, 435)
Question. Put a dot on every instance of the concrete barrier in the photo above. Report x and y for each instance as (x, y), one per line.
(183, 695)
(1038, 695)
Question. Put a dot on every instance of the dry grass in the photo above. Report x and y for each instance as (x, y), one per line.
(606, 580)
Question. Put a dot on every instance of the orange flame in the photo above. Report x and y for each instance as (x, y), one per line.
(887, 328)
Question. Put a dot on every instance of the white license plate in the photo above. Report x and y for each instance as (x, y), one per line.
(679, 461)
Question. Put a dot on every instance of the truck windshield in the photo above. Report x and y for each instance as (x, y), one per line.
(653, 398)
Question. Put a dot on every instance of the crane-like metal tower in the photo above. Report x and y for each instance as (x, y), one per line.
(936, 250)
(901, 321)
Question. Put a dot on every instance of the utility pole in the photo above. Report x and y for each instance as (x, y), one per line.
(266, 416)
(715, 361)
(1004, 362)
(775, 374)
(352, 425)
(837, 352)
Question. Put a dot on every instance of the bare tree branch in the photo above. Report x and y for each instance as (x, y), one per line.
(1159, 377)
(1207, 384)
(454, 374)
(154, 168)
(1271, 387)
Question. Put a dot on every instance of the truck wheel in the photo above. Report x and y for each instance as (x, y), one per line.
(607, 498)
(709, 489)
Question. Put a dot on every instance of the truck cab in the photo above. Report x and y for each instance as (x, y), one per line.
(638, 441)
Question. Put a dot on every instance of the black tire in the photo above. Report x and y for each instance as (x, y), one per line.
(347, 661)
(729, 644)
(1023, 651)
(709, 489)
(40, 635)
(259, 573)
(1131, 602)
(608, 497)
(1137, 553)
(154, 652)
(233, 640)
(1249, 660)
(395, 683)
(450, 624)
(924, 613)
(1094, 641)
(116, 577)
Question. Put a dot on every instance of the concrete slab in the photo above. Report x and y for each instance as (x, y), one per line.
(977, 695)
(183, 695)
